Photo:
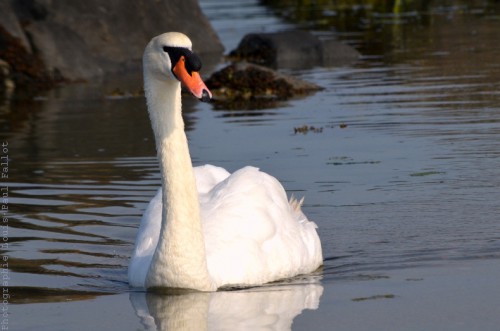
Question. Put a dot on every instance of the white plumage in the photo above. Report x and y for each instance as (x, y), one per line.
(208, 228)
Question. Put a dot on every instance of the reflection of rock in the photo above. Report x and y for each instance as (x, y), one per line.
(80, 39)
(293, 49)
(264, 308)
(248, 86)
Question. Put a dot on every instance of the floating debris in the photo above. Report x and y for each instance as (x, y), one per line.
(366, 277)
(375, 297)
(345, 160)
(426, 173)
(305, 129)
(118, 93)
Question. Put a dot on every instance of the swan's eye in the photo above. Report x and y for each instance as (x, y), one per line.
(192, 61)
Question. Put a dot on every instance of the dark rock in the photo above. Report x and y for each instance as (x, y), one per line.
(293, 49)
(11, 24)
(7, 85)
(82, 39)
(25, 71)
(334, 53)
(66, 53)
(244, 85)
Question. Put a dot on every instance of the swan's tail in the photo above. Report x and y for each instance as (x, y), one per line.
(296, 204)
(297, 208)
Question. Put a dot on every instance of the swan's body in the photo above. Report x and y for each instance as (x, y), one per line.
(207, 228)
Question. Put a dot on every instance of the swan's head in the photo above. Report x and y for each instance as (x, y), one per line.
(169, 57)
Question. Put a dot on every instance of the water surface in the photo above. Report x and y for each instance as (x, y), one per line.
(403, 182)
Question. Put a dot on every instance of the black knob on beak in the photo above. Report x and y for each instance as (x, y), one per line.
(205, 96)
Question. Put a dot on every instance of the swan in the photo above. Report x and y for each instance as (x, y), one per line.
(206, 228)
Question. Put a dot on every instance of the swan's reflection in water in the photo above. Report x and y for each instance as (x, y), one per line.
(262, 308)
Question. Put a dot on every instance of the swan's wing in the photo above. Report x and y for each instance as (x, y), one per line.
(145, 242)
(207, 176)
(252, 232)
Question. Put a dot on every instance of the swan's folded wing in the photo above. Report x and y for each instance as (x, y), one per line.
(146, 241)
(253, 234)
(207, 176)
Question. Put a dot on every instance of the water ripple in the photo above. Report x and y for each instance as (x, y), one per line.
(77, 233)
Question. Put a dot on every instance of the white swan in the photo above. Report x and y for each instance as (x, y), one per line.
(206, 228)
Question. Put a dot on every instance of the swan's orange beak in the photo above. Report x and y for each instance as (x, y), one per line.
(192, 81)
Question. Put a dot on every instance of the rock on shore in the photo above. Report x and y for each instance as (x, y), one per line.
(248, 86)
(293, 49)
(82, 39)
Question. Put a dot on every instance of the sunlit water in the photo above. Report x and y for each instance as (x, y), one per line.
(403, 176)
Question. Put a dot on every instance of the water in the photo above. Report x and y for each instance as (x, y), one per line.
(403, 182)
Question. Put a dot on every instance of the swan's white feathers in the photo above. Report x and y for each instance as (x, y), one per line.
(145, 242)
(172, 39)
(207, 176)
(253, 234)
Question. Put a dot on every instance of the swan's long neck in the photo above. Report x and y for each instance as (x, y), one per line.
(180, 259)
